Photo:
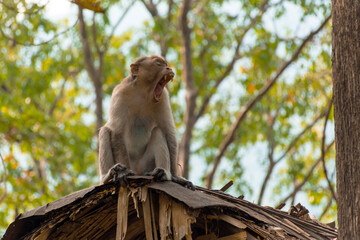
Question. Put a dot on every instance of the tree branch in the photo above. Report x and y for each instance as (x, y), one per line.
(272, 145)
(107, 42)
(163, 42)
(169, 14)
(297, 138)
(93, 31)
(266, 179)
(40, 166)
(230, 66)
(191, 91)
(205, 71)
(151, 7)
(308, 175)
(15, 41)
(3, 194)
(95, 76)
(327, 207)
(273, 163)
(230, 137)
(323, 151)
(57, 98)
(88, 58)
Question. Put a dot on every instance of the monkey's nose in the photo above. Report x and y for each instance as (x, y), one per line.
(170, 69)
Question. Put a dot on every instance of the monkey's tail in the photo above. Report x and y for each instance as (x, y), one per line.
(106, 158)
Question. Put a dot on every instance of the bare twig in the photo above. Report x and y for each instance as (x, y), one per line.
(280, 206)
(204, 68)
(226, 187)
(192, 92)
(296, 139)
(273, 163)
(3, 194)
(93, 31)
(151, 7)
(40, 43)
(327, 207)
(323, 151)
(293, 199)
(169, 14)
(121, 18)
(230, 137)
(163, 41)
(235, 58)
(162, 38)
(298, 187)
(94, 75)
(266, 180)
(89, 64)
(202, 57)
(57, 98)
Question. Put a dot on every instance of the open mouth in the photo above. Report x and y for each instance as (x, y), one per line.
(161, 84)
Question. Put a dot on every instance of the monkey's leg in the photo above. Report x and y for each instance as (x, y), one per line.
(158, 151)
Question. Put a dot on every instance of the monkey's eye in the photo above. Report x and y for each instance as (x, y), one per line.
(161, 63)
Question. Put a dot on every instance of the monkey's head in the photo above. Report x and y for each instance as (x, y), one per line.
(153, 73)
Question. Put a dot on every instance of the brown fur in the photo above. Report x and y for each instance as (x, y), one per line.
(140, 136)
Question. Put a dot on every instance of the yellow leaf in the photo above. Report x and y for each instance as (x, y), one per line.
(251, 88)
(92, 5)
(291, 97)
(242, 69)
(13, 163)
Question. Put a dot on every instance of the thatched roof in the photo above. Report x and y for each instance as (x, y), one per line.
(166, 210)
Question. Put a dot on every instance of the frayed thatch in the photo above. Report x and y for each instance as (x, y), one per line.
(151, 210)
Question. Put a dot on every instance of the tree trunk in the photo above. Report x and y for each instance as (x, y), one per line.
(191, 92)
(346, 93)
(94, 74)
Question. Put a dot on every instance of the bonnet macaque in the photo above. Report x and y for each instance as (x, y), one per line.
(140, 136)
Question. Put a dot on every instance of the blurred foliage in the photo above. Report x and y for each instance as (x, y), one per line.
(47, 122)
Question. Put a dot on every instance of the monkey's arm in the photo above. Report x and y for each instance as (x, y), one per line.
(172, 145)
(112, 165)
(106, 158)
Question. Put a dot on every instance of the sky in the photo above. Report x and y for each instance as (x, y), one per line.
(63, 9)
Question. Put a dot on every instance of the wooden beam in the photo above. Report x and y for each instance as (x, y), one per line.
(150, 197)
(147, 218)
(122, 213)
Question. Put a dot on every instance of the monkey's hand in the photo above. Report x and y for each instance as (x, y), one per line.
(182, 181)
(118, 173)
(160, 174)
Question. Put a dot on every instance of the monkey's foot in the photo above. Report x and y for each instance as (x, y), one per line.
(160, 174)
(184, 182)
(118, 173)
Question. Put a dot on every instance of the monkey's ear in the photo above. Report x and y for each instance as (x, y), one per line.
(134, 69)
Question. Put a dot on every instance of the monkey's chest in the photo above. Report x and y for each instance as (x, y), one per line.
(139, 135)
